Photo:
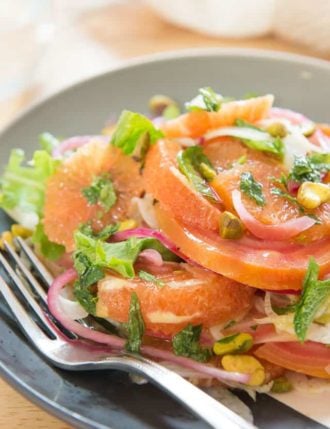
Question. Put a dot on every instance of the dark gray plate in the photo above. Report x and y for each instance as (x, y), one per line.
(109, 399)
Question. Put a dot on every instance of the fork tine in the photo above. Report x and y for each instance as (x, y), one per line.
(42, 271)
(28, 297)
(37, 289)
(29, 327)
(37, 265)
(47, 279)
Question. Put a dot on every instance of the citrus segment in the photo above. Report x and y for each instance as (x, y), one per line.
(65, 205)
(165, 182)
(182, 294)
(249, 261)
(195, 124)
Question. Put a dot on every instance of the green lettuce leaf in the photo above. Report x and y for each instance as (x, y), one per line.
(48, 142)
(23, 186)
(47, 248)
(119, 257)
(131, 131)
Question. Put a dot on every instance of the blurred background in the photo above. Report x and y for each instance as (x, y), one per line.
(46, 45)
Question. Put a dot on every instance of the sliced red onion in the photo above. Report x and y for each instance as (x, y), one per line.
(212, 371)
(73, 143)
(152, 256)
(294, 117)
(282, 231)
(55, 308)
(119, 343)
(320, 139)
(150, 233)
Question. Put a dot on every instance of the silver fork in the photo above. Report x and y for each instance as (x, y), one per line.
(64, 350)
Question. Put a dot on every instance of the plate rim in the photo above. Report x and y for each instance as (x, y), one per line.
(139, 61)
(55, 409)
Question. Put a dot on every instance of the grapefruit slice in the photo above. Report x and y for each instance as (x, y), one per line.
(65, 205)
(195, 124)
(182, 294)
(253, 262)
(168, 185)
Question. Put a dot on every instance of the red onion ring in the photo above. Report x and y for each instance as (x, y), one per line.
(119, 343)
(151, 233)
(294, 117)
(280, 232)
(74, 143)
(319, 138)
(152, 256)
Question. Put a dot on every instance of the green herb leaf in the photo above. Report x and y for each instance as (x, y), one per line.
(101, 191)
(273, 146)
(103, 235)
(132, 129)
(198, 169)
(148, 277)
(89, 274)
(252, 188)
(314, 294)
(47, 248)
(207, 99)
(186, 343)
(135, 326)
(119, 257)
(310, 168)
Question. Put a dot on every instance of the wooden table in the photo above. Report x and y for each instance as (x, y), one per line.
(128, 30)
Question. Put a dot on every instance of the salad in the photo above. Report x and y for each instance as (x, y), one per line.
(198, 236)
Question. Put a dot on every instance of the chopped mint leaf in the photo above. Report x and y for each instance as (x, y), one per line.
(198, 169)
(47, 248)
(186, 343)
(310, 168)
(103, 235)
(314, 294)
(148, 277)
(207, 100)
(135, 325)
(89, 274)
(132, 129)
(252, 188)
(48, 142)
(101, 191)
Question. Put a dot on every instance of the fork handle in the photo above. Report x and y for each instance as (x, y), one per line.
(204, 406)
